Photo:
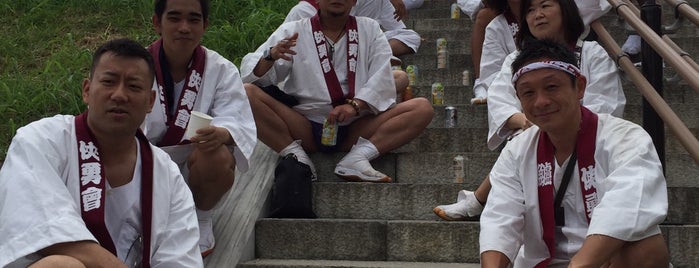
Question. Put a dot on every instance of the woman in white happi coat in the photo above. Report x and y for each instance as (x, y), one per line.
(499, 41)
(604, 92)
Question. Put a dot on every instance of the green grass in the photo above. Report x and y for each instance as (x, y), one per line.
(46, 47)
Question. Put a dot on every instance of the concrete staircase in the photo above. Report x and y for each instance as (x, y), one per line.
(392, 225)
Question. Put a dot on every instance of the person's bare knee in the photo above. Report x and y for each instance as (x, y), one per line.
(57, 261)
(399, 48)
(211, 175)
(402, 82)
(648, 252)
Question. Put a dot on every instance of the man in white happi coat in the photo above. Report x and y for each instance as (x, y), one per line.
(577, 189)
(190, 77)
(604, 93)
(403, 40)
(337, 72)
(89, 190)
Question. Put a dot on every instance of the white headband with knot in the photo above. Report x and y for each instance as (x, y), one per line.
(558, 65)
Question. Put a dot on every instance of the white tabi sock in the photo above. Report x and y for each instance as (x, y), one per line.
(365, 148)
(295, 148)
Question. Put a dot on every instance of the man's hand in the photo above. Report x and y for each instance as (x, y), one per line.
(518, 121)
(401, 12)
(211, 137)
(283, 47)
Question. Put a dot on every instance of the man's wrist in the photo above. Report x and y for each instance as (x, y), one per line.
(354, 105)
(267, 55)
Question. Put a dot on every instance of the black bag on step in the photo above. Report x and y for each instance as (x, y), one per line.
(292, 191)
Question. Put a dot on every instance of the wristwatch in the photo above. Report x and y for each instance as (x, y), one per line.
(267, 55)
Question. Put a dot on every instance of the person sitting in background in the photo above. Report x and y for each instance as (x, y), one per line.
(402, 40)
(558, 20)
(89, 190)
(190, 77)
(336, 72)
(499, 42)
(577, 189)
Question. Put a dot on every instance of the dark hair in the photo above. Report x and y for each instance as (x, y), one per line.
(544, 49)
(123, 48)
(498, 5)
(161, 4)
(570, 20)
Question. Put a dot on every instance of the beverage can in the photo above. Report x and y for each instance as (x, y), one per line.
(412, 72)
(441, 44)
(437, 93)
(329, 136)
(442, 58)
(459, 173)
(450, 119)
(466, 78)
(455, 11)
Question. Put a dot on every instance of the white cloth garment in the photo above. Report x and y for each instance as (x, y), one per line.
(40, 195)
(630, 186)
(470, 7)
(497, 44)
(379, 10)
(603, 94)
(591, 10)
(222, 96)
(373, 83)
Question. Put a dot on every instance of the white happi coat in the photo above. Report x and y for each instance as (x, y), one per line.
(379, 10)
(304, 76)
(498, 43)
(40, 199)
(222, 96)
(603, 93)
(630, 186)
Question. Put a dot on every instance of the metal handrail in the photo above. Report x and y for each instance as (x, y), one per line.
(681, 7)
(674, 123)
(665, 37)
(684, 69)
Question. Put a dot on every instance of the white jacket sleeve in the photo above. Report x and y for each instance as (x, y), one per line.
(502, 103)
(604, 92)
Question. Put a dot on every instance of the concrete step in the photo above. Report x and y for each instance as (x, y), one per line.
(403, 201)
(437, 167)
(291, 263)
(406, 241)
(367, 240)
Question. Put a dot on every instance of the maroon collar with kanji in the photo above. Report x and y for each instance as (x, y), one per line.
(177, 122)
(92, 187)
(585, 152)
(337, 97)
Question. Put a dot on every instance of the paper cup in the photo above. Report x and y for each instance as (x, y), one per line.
(197, 120)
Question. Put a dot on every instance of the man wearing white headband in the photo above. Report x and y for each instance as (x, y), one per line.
(577, 189)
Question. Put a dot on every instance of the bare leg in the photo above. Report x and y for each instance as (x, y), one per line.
(277, 124)
(648, 252)
(399, 48)
(483, 190)
(484, 16)
(394, 127)
(57, 261)
(401, 78)
(211, 175)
